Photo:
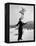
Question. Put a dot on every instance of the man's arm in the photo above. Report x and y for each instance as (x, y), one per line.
(14, 26)
(17, 24)
(24, 23)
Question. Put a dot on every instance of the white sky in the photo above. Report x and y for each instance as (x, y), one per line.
(15, 15)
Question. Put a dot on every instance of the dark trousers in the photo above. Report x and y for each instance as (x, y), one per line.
(20, 34)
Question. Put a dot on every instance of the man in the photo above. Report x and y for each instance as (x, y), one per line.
(20, 29)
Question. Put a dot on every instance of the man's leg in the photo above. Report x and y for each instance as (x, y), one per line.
(20, 36)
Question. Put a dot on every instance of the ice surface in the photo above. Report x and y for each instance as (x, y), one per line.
(27, 35)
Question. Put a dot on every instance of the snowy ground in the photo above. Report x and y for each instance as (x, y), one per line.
(27, 34)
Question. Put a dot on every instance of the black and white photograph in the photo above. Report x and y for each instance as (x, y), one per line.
(21, 23)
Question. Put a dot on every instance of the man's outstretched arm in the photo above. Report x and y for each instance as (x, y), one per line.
(17, 24)
(13, 26)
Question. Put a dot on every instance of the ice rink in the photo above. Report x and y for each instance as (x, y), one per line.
(27, 34)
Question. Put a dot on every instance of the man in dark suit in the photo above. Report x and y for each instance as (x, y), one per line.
(20, 29)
